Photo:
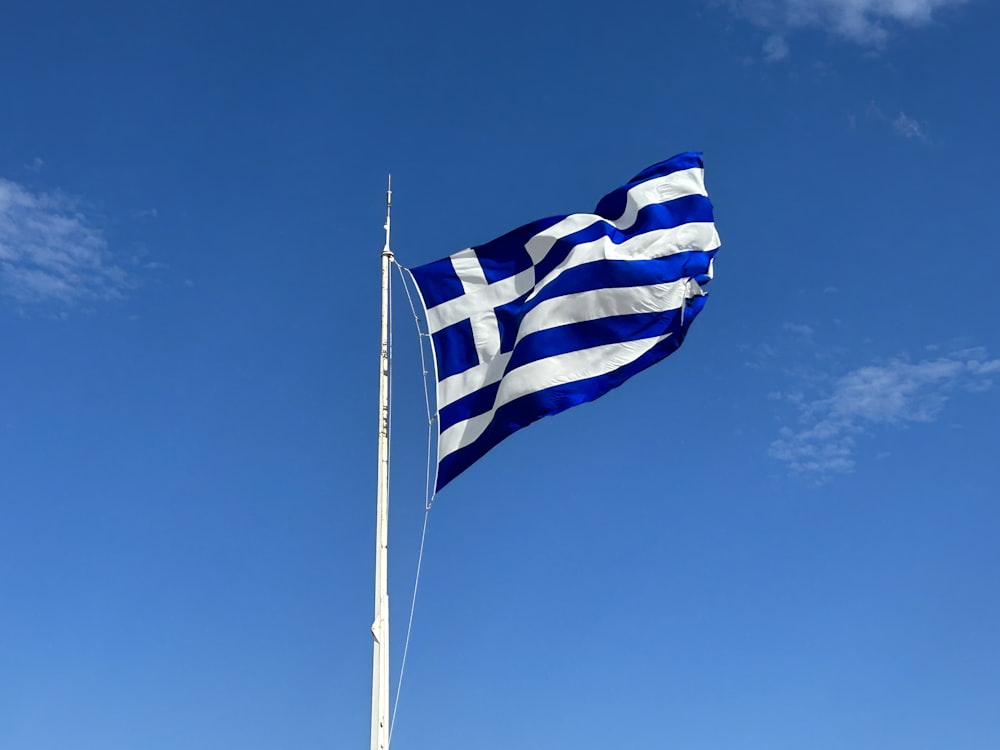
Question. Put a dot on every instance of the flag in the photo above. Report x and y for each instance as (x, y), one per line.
(560, 311)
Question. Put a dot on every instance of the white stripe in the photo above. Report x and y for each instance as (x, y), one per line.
(603, 303)
(571, 308)
(544, 373)
(658, 243)
(659, 190)
(462, 384)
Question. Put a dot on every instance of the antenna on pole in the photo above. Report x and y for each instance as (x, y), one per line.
(388, 213)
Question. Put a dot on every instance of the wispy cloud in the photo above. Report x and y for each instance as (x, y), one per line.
(908, 128)
(800, 329)
(51, 252)
(895, 393)
(775, 48)
(865, 22)
(902, 124)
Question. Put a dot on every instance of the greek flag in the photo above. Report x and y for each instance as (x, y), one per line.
(562, 310)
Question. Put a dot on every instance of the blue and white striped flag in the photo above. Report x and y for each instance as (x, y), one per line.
(562, 310)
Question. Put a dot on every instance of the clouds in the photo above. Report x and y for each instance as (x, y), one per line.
(906, 127)
(895, 393)
(51, 252)
(775, 48)
(902, 125)
(800, 329)
(864, 22)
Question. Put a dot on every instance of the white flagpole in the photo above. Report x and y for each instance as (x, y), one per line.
(380, 627)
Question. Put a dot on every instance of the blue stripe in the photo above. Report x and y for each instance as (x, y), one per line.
(563, 339)
(690, 208)
(590, 333)
(612, 205)
(477, 402)
(610, 274)
(521, 412)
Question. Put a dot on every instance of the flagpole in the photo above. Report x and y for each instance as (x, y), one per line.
(380, 627)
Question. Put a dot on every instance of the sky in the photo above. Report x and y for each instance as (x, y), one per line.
(782, 536)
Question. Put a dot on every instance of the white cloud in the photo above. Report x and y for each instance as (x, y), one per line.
(907, 127)
(800, 329)
(902, 125)
(895, 393)
(775, 48)
(51, 252)
(865, 22)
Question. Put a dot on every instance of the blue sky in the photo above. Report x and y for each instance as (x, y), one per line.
(784, 536)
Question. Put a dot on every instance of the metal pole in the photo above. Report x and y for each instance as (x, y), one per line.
(380, 627)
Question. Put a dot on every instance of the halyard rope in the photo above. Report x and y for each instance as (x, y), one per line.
(429, 481)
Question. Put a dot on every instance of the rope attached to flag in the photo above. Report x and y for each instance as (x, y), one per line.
(429, 492)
